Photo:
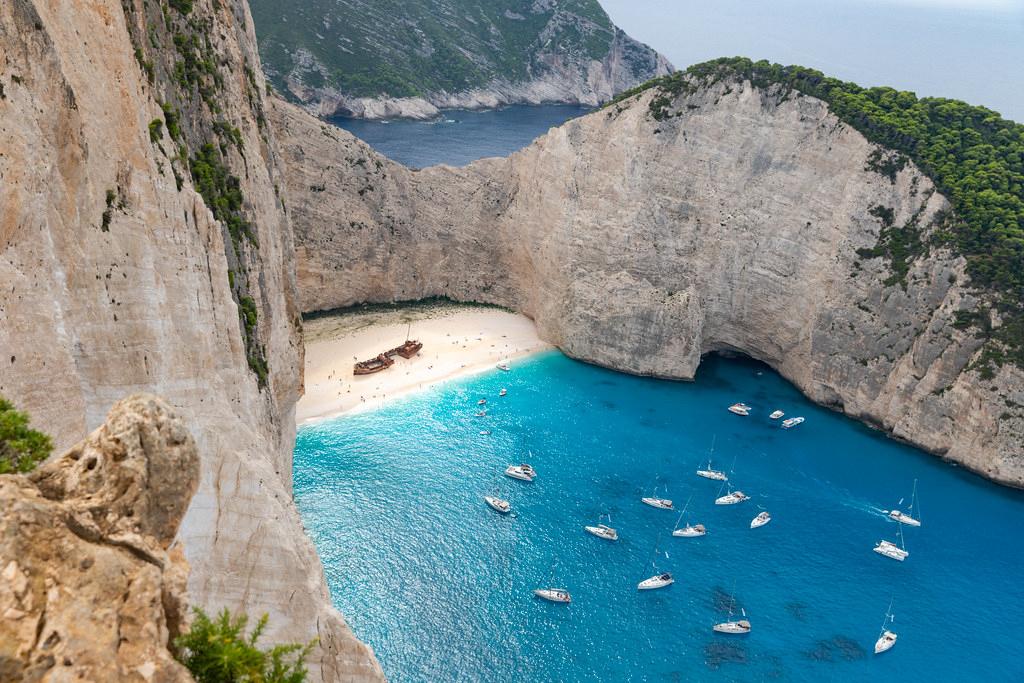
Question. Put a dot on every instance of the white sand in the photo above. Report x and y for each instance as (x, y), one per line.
(457, 340)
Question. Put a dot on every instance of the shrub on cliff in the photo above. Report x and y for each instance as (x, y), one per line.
(21, 448)
(218, 651)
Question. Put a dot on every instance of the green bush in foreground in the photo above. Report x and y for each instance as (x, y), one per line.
(21, 448)
(218, 651)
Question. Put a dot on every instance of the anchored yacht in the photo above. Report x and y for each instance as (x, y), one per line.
(740, 409)
(553, 594)
(657, 581)
(688, 531)
(498, 504)
(908, 517)
(776, 414)
(887, 638)
(792, 422)
(522, 472)
(760, 520)
(732, 498)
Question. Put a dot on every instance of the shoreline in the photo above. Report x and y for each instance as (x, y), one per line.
(458, 341)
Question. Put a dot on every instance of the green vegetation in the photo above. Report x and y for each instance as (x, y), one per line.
(974, 157)
(156, 130)
(412, 47)
(21, 448)
(221, 191)
(218, 651)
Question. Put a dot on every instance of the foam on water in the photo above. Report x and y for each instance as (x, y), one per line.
(440, 585)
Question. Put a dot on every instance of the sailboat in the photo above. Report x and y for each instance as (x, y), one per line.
(498, 504)
(553, 594)
(709, 473)
(905, 518)
(887, 638)
(688, 531)
(891, 550)
(732, 497)
(523, 472)
(738, 627)
(659, 580)
(655, 502)
(761, 519)
(603, 531)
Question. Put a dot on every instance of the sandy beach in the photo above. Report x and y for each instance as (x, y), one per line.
(457, 340)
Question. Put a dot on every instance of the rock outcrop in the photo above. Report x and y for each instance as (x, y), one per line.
(372, 60)
(91, 588)
(118, 276)
(642, 245)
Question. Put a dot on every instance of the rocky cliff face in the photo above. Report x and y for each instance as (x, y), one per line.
(91, 588)
(135, 258)
(370, 59)
(642, 245)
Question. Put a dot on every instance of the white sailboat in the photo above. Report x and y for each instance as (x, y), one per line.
(688, 531)
(761, 519)
(659, 580)
(655, 502)
(891, 550)
(737, 627)
(909, 517)
(553, 594)
(522, 472)
(887, 638)
(709, 473)
(498, 504)
(603, 531)
(732, 497)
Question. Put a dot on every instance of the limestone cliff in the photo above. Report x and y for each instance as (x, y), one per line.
(374, 59)
(144, 246)
(641, 245)
(90, 587)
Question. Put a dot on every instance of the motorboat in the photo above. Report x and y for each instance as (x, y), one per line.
(503, 365)
(485, 432)
(657, 581)
(792, 422)
(482, 402)
(908, 517)
(887, 638)
(498, 504)
(481, 413)
(502, 392)
(523, 472)
(740, 409)
(762, 519)
(553, 594)
(776, 414)
(602, 531)
(732, 498)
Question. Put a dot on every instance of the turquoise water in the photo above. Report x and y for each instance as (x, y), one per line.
(440, 585)
(460, 136)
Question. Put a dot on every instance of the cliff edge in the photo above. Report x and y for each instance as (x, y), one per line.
(744, 221)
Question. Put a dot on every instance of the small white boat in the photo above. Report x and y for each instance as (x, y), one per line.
(688, 531)
(886, 638)
(737, 627)
(602, 531)
(760, 520)
(485, 432)
(908, 517)
(502, 392)
(660, 503)
(792, 422)
(523, 472)
(481, 413)
(553, 594)
(482, 402)
(657, 581)
(740, 409)
(498, 504)
(732, 498)
(733, 627)
(776, 414)
(503, 365)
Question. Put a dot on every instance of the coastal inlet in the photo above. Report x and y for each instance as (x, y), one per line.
(441, 585)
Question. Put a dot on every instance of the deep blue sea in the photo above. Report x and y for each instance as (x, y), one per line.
(460, 136)
(440, 585)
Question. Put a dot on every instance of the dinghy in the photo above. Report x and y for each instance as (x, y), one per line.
(482, 402)
(498, 504)
(760, 520)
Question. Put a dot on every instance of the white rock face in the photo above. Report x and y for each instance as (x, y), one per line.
(642, 245)
(93, 309)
